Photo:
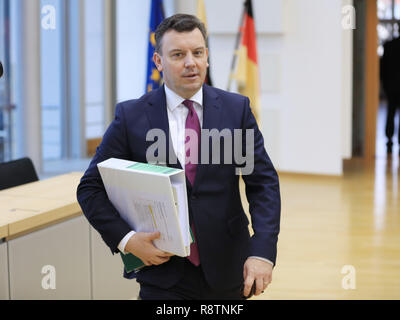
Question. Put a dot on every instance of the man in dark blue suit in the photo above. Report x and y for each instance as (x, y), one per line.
(225, 261)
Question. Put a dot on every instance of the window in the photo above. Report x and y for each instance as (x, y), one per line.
(94, 64)
(75, 68)
(52, 83)
(6, 109)
(389, 21)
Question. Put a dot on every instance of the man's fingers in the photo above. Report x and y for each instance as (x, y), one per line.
(259, 286)
(163, 258)
(153, 235)
(160, 253)
(248, 283)
(147, 263)
(141, 245)
(160, 257)
(259, 270)
(165, 254)
(267, 281)
(160, 260)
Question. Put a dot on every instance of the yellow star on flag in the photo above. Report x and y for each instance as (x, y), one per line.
(155, 75)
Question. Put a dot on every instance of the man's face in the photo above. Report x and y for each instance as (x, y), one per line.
(183, 61)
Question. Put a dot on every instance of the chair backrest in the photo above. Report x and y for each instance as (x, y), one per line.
(17, 172)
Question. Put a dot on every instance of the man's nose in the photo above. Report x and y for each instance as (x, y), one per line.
(189, 61)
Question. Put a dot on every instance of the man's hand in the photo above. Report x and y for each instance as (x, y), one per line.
(258, 271)
(141, 245)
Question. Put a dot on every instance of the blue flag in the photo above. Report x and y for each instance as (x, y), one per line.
(154, 78)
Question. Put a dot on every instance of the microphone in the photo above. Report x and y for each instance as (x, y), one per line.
(1, 69)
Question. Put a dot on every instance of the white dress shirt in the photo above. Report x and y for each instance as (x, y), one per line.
(177, 114)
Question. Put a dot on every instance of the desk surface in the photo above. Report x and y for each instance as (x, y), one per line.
(34, 205)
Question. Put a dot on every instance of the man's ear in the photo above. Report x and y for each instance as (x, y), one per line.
(157, 61)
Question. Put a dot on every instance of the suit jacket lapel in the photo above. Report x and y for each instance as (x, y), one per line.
(212, 115)
(158, 118)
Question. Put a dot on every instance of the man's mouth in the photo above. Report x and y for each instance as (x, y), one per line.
(191, 75)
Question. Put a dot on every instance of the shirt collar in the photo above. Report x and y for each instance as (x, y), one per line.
(174, 100)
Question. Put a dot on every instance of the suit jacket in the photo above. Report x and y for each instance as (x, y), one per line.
(214, 200)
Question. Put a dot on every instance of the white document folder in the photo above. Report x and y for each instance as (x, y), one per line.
(150, 198)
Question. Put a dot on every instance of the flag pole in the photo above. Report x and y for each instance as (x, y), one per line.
(235, 53)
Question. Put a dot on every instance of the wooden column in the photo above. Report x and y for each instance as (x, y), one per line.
(371, 79)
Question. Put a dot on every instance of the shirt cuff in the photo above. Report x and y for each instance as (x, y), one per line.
(124, 241)
(263, 259)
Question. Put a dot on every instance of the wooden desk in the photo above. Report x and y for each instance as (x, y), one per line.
(84, 266)
(38, 204)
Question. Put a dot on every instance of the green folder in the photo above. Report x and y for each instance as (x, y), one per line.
(133, 263)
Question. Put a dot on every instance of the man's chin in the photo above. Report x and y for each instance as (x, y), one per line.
(192, 87)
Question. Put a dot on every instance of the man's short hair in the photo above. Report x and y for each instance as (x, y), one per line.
(181, 23)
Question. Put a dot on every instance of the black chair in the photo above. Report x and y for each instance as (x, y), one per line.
(17, 172)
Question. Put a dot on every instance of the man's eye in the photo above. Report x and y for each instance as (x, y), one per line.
(198, 53)
(178, 54)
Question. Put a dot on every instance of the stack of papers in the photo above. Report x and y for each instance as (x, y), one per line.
(149, 198)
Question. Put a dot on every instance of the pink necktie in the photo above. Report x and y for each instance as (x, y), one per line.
(192, 151)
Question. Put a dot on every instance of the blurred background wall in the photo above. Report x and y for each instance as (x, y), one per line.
(66, 70)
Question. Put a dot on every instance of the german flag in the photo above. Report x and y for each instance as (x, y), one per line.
(246, 73)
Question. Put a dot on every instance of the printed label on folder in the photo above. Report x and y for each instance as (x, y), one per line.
(152, 168)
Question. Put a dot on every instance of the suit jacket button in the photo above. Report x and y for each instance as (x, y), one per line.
(194, 197)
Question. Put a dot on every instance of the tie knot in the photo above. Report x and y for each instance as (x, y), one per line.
(188, 104)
